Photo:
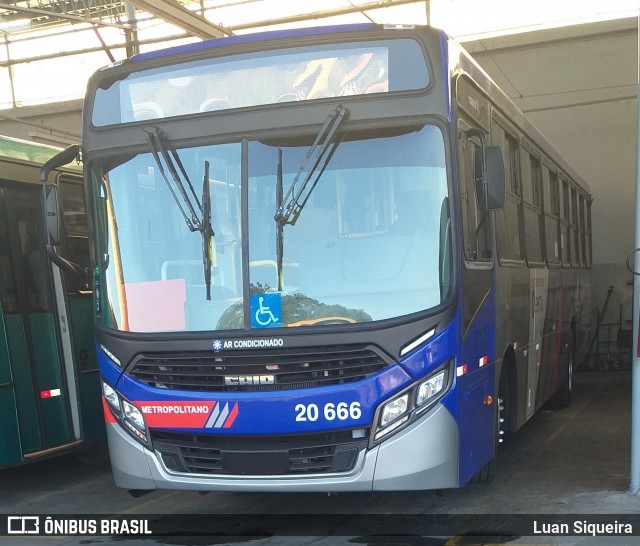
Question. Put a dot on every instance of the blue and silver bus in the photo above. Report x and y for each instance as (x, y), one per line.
(331, 259)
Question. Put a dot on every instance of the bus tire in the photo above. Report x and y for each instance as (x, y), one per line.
(562, 397)
(488, 472)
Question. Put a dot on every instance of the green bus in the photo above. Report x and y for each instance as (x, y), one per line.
(49, 382)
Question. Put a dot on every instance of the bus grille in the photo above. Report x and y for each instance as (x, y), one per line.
(259, 456)
(251, 371)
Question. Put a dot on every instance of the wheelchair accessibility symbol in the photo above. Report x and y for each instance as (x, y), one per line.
(266, 310)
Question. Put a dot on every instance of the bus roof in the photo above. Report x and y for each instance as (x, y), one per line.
(32, 152)
(249, 38)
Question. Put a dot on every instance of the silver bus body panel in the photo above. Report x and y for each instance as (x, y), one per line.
(422, 456)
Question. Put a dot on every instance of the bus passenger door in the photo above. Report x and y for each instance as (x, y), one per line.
(75, 314)
(33, 373)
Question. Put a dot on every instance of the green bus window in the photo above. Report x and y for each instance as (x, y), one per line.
(7, 282)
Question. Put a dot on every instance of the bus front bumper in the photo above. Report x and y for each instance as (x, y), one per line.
(422, 456)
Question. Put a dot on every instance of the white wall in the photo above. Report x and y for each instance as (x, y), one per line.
(62, 119)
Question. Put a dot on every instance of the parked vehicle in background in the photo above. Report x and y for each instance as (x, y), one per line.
(49, 379)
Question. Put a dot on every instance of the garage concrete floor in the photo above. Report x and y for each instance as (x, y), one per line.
(573, 461)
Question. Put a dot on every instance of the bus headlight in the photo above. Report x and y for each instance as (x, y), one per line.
(394, 409)
(111, 396)
(133, 415)
(401, 410)
(134, 422)
(127, 415)
(394, 414)
(431, 388)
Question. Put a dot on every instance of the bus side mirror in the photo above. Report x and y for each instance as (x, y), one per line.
(491, 185)
(51, 199)
(53, 217)
(52, 214)
(67, 155)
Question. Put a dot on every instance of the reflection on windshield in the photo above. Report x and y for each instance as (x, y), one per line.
(155, 278)
(366, 247)
(367, 244)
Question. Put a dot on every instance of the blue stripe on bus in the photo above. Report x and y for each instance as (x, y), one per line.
(277, 412)
(250, 38)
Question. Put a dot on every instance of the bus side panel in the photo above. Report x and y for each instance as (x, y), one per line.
(23, 384)
(552, 339)
(512, 332)
(55, 418)
(10, 449)
(476, 422)
(477, 392)
(81, 310)
(9, 430)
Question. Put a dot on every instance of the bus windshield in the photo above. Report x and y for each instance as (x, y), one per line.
(370, 243)
(258, 79)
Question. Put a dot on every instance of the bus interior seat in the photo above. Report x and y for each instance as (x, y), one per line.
(147, 110)
(189, 270)
(286, 97)
(213, 105)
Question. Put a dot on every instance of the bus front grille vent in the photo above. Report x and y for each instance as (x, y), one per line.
(259, 456)
(257, 371)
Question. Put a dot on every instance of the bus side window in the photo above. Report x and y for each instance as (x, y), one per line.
(532, 205)
(8, 290)
(587, 235)
(75, 220)
(582, 232)
(74, 215)
(551, 214)
(477, 240)
(576, 255)
(509, 220)
(565, 230)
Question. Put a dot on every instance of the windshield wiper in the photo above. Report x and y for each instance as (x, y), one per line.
(207, 230)
(195, 223)
(155, 140)
(318, 155)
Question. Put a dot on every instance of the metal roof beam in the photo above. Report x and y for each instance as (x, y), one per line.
(353, 8)
(177, 14)
(11, 6)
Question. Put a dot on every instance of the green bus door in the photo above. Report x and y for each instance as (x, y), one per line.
(35, 393)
